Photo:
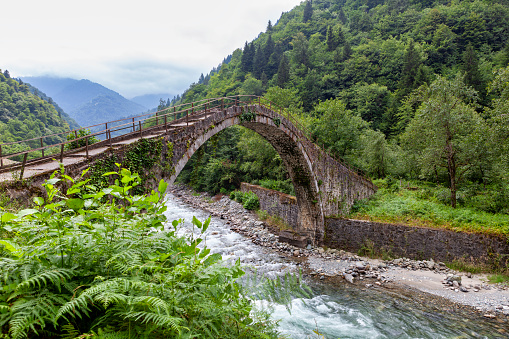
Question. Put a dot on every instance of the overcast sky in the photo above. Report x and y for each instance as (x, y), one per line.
(133, 47)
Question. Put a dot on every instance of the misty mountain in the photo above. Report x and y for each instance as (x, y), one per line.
(151, 100)
(87, 102)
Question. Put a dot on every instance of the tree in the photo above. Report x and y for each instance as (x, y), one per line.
(308, 11)
(446, 131)
(247, 58)
(300, 49)
(258, 62)
(471, 68)
(347, 51)
(269, 27)
(498, 119)
(411, 63)
(283, 72)
(337, 128)
(342, 16)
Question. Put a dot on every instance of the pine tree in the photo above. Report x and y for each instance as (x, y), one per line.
(411, 63)
(342, 16)
(264, 79)
(471, 68)
(268, 50)
(283, 72)
(269, 27)
(331, 39)
(247, 57)
(347, 51)
(340, 37)
(308, 11)
(258, 63)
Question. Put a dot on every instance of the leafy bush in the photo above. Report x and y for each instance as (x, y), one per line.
(284, 186)
(251, 201)
(99, 262)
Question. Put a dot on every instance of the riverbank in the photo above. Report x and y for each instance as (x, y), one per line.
(423, 279)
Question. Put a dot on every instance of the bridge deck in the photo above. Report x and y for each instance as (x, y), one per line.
(51, 165)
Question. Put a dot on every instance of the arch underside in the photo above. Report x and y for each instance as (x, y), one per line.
(297, 163)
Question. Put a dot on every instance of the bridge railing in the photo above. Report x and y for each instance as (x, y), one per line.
(80, 140)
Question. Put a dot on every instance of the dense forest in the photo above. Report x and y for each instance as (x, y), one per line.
(24, 115)
(408, 90)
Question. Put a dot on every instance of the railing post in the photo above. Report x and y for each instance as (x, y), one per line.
(42, 145)
(157, 119)
(166, 123)
(23, 166)
(222, 104)
(1, 158)
(86, 146)
(187, 117)
(192, 108)
(62, 153)
(141, 133)
(134, 128)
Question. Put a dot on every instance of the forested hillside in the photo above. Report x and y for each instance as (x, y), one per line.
(24, 115)
(34, 90)
(414, 90)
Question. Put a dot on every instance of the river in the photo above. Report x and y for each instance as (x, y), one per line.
(339, 310)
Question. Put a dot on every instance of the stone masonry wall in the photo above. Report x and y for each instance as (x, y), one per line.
(275, 203)
(398, 240)
(416, 242)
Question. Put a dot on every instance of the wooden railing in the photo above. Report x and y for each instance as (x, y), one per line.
(133, 126)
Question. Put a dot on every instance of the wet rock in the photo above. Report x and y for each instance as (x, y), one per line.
(349, 278)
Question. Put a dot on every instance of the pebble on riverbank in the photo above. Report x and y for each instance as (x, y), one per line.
(322, 262)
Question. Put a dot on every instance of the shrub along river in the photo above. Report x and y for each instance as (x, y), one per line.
(339, 310)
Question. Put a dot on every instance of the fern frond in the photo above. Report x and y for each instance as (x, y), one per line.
(159, 320)
(33, 315)
(56, 277)
(70, 332)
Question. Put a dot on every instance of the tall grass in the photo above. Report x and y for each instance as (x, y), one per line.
(421, 206)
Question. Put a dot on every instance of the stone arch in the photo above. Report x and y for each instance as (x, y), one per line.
(286, 140)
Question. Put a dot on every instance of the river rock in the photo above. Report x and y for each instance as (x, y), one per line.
(348, 277)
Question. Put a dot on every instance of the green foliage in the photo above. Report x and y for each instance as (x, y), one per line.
(418, 204)
(247, 115)
(23, 116)
(446, 132)
(249, 200)
(82, 142)
(284, 186)
(81, 265)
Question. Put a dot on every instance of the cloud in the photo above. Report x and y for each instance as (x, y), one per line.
(130, 46)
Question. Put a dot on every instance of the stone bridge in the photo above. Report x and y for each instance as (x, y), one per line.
(323, 186)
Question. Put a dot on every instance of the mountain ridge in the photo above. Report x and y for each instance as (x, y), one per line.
(87, 102)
